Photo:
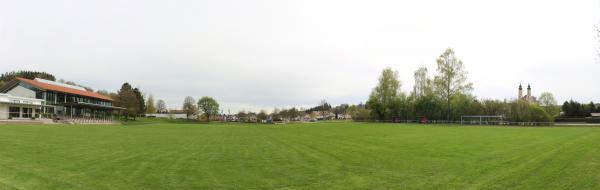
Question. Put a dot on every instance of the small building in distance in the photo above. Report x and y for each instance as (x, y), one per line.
(171, 114)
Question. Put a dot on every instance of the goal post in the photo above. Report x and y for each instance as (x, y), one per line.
(482, 119)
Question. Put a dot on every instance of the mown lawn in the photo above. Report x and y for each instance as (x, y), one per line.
(298, 156)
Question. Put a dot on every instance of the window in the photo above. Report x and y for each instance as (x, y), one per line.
(61, 97)
(37, 112)
(14, 112)
(39, 94)
(27, 112)
(50, 97)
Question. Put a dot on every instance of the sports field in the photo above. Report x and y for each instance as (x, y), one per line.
(298, 156)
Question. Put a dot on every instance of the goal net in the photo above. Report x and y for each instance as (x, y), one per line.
(482, 120)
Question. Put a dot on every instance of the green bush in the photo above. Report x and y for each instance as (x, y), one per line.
(522, 111)
(537, 114)
(359, 113)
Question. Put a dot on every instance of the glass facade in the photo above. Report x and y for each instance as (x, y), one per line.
(50, 97)
(75, 106)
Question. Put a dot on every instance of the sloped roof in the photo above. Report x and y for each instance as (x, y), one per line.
(595, 114)
(46, 86)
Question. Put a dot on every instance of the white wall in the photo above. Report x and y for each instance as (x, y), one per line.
(168, 115)
(3, 111)
(22, 92)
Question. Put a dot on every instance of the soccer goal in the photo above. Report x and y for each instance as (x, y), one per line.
(482, 120)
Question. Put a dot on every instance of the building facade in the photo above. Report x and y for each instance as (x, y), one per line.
(60, 101)
(14, 107)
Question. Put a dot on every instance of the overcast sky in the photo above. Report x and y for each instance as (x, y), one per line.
(253, 55)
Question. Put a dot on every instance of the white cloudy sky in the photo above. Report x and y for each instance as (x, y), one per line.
(260, 54)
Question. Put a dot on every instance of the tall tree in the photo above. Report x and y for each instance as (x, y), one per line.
(385, 94)
(208, 106)
(451, 79)
(141, 102)
(422, 82)
(161, 106)
(189, 106)
(150, 109)
(548, 102)
(566, 108)
(126, 98)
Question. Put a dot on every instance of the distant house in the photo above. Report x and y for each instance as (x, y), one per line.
(232, 118)
(41, 98)
(595, 115)
(319, 115)
(172, 114)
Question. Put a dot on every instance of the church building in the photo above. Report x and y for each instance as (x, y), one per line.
(528, 98)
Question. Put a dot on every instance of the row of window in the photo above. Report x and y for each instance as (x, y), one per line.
(53, 98)
(18, 112)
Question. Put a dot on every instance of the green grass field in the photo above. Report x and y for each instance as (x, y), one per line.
(297, 156)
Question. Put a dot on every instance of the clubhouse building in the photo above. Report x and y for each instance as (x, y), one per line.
(22, 99)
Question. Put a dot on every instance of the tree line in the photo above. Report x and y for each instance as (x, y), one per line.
(575, 109)
(8, 76)
(446, 96)
(134, 102)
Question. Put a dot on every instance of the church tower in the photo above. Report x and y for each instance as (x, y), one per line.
(529, 93)
(520, 91)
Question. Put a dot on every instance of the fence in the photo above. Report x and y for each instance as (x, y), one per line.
(491, 123)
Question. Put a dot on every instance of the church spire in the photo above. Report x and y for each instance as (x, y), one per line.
(529, 98)
(520, 91)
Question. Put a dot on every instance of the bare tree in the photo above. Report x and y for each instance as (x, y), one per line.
(161, 106)
(324, 107)
(189, 106)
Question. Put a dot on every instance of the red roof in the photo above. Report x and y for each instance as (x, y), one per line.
(67, 90)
